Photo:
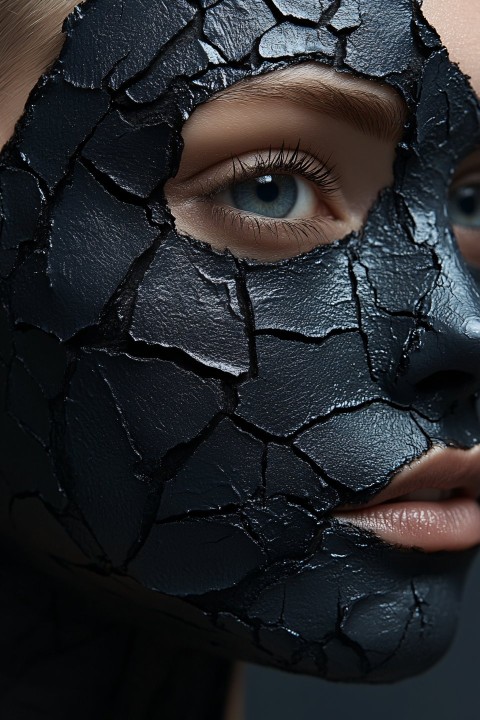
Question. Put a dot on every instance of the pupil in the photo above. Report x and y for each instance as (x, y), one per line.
(464, 206)
(467, 201)
(267, 190)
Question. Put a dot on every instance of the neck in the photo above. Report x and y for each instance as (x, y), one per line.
(62, 660)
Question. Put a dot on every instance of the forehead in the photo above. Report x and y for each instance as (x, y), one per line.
(159, 61)
(131, 74)
(129, 47)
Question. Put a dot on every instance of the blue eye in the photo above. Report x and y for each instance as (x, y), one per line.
(272, 196)
(464, 206)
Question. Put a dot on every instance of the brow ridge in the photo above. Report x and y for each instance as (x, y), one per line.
(378, 116)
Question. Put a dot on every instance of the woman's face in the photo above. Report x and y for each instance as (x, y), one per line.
(213, 341)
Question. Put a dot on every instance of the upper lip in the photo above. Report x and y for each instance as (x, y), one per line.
(447, 469)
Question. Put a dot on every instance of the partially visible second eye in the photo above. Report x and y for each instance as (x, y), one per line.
(271, 196)
(464, 213)
(464, 206)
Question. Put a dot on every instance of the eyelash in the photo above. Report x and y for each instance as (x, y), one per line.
(284, 161)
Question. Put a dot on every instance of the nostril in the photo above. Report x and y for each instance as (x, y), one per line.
(451, 383)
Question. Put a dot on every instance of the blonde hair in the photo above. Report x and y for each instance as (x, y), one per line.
(30, 40)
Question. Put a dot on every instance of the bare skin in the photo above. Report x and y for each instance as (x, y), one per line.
(343, 128)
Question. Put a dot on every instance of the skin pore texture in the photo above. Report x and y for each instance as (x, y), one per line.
(190, 397)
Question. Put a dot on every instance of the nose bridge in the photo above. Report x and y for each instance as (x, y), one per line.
(419, 307)
(441, 356)
(448, 345)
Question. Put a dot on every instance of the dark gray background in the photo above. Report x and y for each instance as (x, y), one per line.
(450, 691)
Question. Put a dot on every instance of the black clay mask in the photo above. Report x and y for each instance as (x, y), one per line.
(190, 419)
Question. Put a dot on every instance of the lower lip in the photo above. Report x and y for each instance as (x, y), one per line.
(452, 524)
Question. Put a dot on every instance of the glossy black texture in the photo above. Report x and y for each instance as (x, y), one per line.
(188, 419)
(190, 302)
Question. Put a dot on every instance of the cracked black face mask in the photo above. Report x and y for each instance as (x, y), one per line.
(187, 419)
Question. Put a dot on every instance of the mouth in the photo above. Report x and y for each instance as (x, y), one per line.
(432, 504)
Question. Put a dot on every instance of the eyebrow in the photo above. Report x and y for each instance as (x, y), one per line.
(382, 117)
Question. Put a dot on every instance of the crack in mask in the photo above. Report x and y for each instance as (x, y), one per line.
(190, 419)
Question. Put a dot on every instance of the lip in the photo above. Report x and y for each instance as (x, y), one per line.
(444, 513)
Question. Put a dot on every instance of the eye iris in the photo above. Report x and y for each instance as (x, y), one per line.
(270, 195)
(464, 206)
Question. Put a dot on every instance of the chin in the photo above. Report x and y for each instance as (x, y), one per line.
(401, 612)
(358, 611)
(355, 610)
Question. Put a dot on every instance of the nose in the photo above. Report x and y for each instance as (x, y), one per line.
(442, 364)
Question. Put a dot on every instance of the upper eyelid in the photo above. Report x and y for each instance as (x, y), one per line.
(296, 159)
(470, 165)
(466, 175)
(279, 160)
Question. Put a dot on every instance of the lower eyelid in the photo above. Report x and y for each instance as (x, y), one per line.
(273, 226)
